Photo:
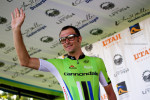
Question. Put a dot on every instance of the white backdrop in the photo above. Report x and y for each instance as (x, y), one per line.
(127, 59)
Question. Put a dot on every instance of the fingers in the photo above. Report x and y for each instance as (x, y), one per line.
(22, 13)
(17, 13)
(12, 16)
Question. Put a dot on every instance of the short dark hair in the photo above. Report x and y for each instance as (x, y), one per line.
(67, 27)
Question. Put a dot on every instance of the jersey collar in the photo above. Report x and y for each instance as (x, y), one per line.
(73, 58)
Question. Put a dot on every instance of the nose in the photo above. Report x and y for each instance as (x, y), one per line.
(67, 41)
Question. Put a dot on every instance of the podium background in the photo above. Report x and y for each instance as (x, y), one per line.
(105, 26)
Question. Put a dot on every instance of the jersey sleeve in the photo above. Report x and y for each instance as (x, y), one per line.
(46, 66)
(103, 76)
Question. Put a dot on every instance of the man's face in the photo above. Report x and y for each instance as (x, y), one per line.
(71, 46)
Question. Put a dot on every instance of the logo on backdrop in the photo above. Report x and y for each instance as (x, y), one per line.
(83, 44)
(2, 45)
(118, 10)
(135, 28)
(122, 71)
(146, 90)
(108, 35)
(2, 64)
(43, 58)
(55, 44)
(21, 72)
(111, 40)
(77, 2)
(9, 0)
(52, 12)
(38, 75)
(32, 4)
(37, 4)
(122, 88)
(46, 39)
(9, 50)
(3, 20)
(96, 31)
(118, 59)
(64, 18)
(89, 47)
(61, 52)
(146, 76)
(31, 51)
(6, 49)
(55, 12)
(107, 5)
(9, 67)
(142, 54)
(104, 96)
(134, 16)
(89, 19)
(34, 29)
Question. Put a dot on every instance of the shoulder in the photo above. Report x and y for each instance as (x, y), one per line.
(95, 58)
(55, 61)
(97, 61)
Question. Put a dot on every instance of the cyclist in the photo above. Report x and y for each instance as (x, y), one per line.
(79, 75)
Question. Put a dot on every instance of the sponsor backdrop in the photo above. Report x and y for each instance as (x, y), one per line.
(127, 58)
(126, 53)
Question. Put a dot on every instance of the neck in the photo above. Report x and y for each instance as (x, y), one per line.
(76, 54)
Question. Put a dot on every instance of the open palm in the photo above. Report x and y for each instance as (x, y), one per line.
(17, 18)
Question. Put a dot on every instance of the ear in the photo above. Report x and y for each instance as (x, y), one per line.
(80, 39)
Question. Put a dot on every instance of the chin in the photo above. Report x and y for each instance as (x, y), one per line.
(70, 51)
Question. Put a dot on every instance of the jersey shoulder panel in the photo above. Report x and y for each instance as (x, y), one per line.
(104, 78)
(55, 61)
(97, 61)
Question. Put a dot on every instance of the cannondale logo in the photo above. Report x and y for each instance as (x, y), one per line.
(2, 20)
(89, 47)
(118, 59)
(1, 64)
(52, 12)
(146, 76)
(2, 45)
(96, 31)
(107, 5)
(46, 39)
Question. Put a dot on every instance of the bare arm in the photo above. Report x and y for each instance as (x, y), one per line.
(24, 58)
(110, 92)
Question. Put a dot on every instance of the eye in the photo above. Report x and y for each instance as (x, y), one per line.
(62, 39)
(70, 37)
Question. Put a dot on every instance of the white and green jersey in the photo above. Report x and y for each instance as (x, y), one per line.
(80, 78)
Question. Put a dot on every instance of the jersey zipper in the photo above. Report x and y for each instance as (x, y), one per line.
(77, 62)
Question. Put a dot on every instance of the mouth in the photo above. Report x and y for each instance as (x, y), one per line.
(68, 46)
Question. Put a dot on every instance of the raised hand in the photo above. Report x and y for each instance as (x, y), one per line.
(17, 18)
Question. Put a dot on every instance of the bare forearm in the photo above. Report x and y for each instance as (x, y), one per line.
(20, 47)
(110, 92)
(24, 58)
(112, 97)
